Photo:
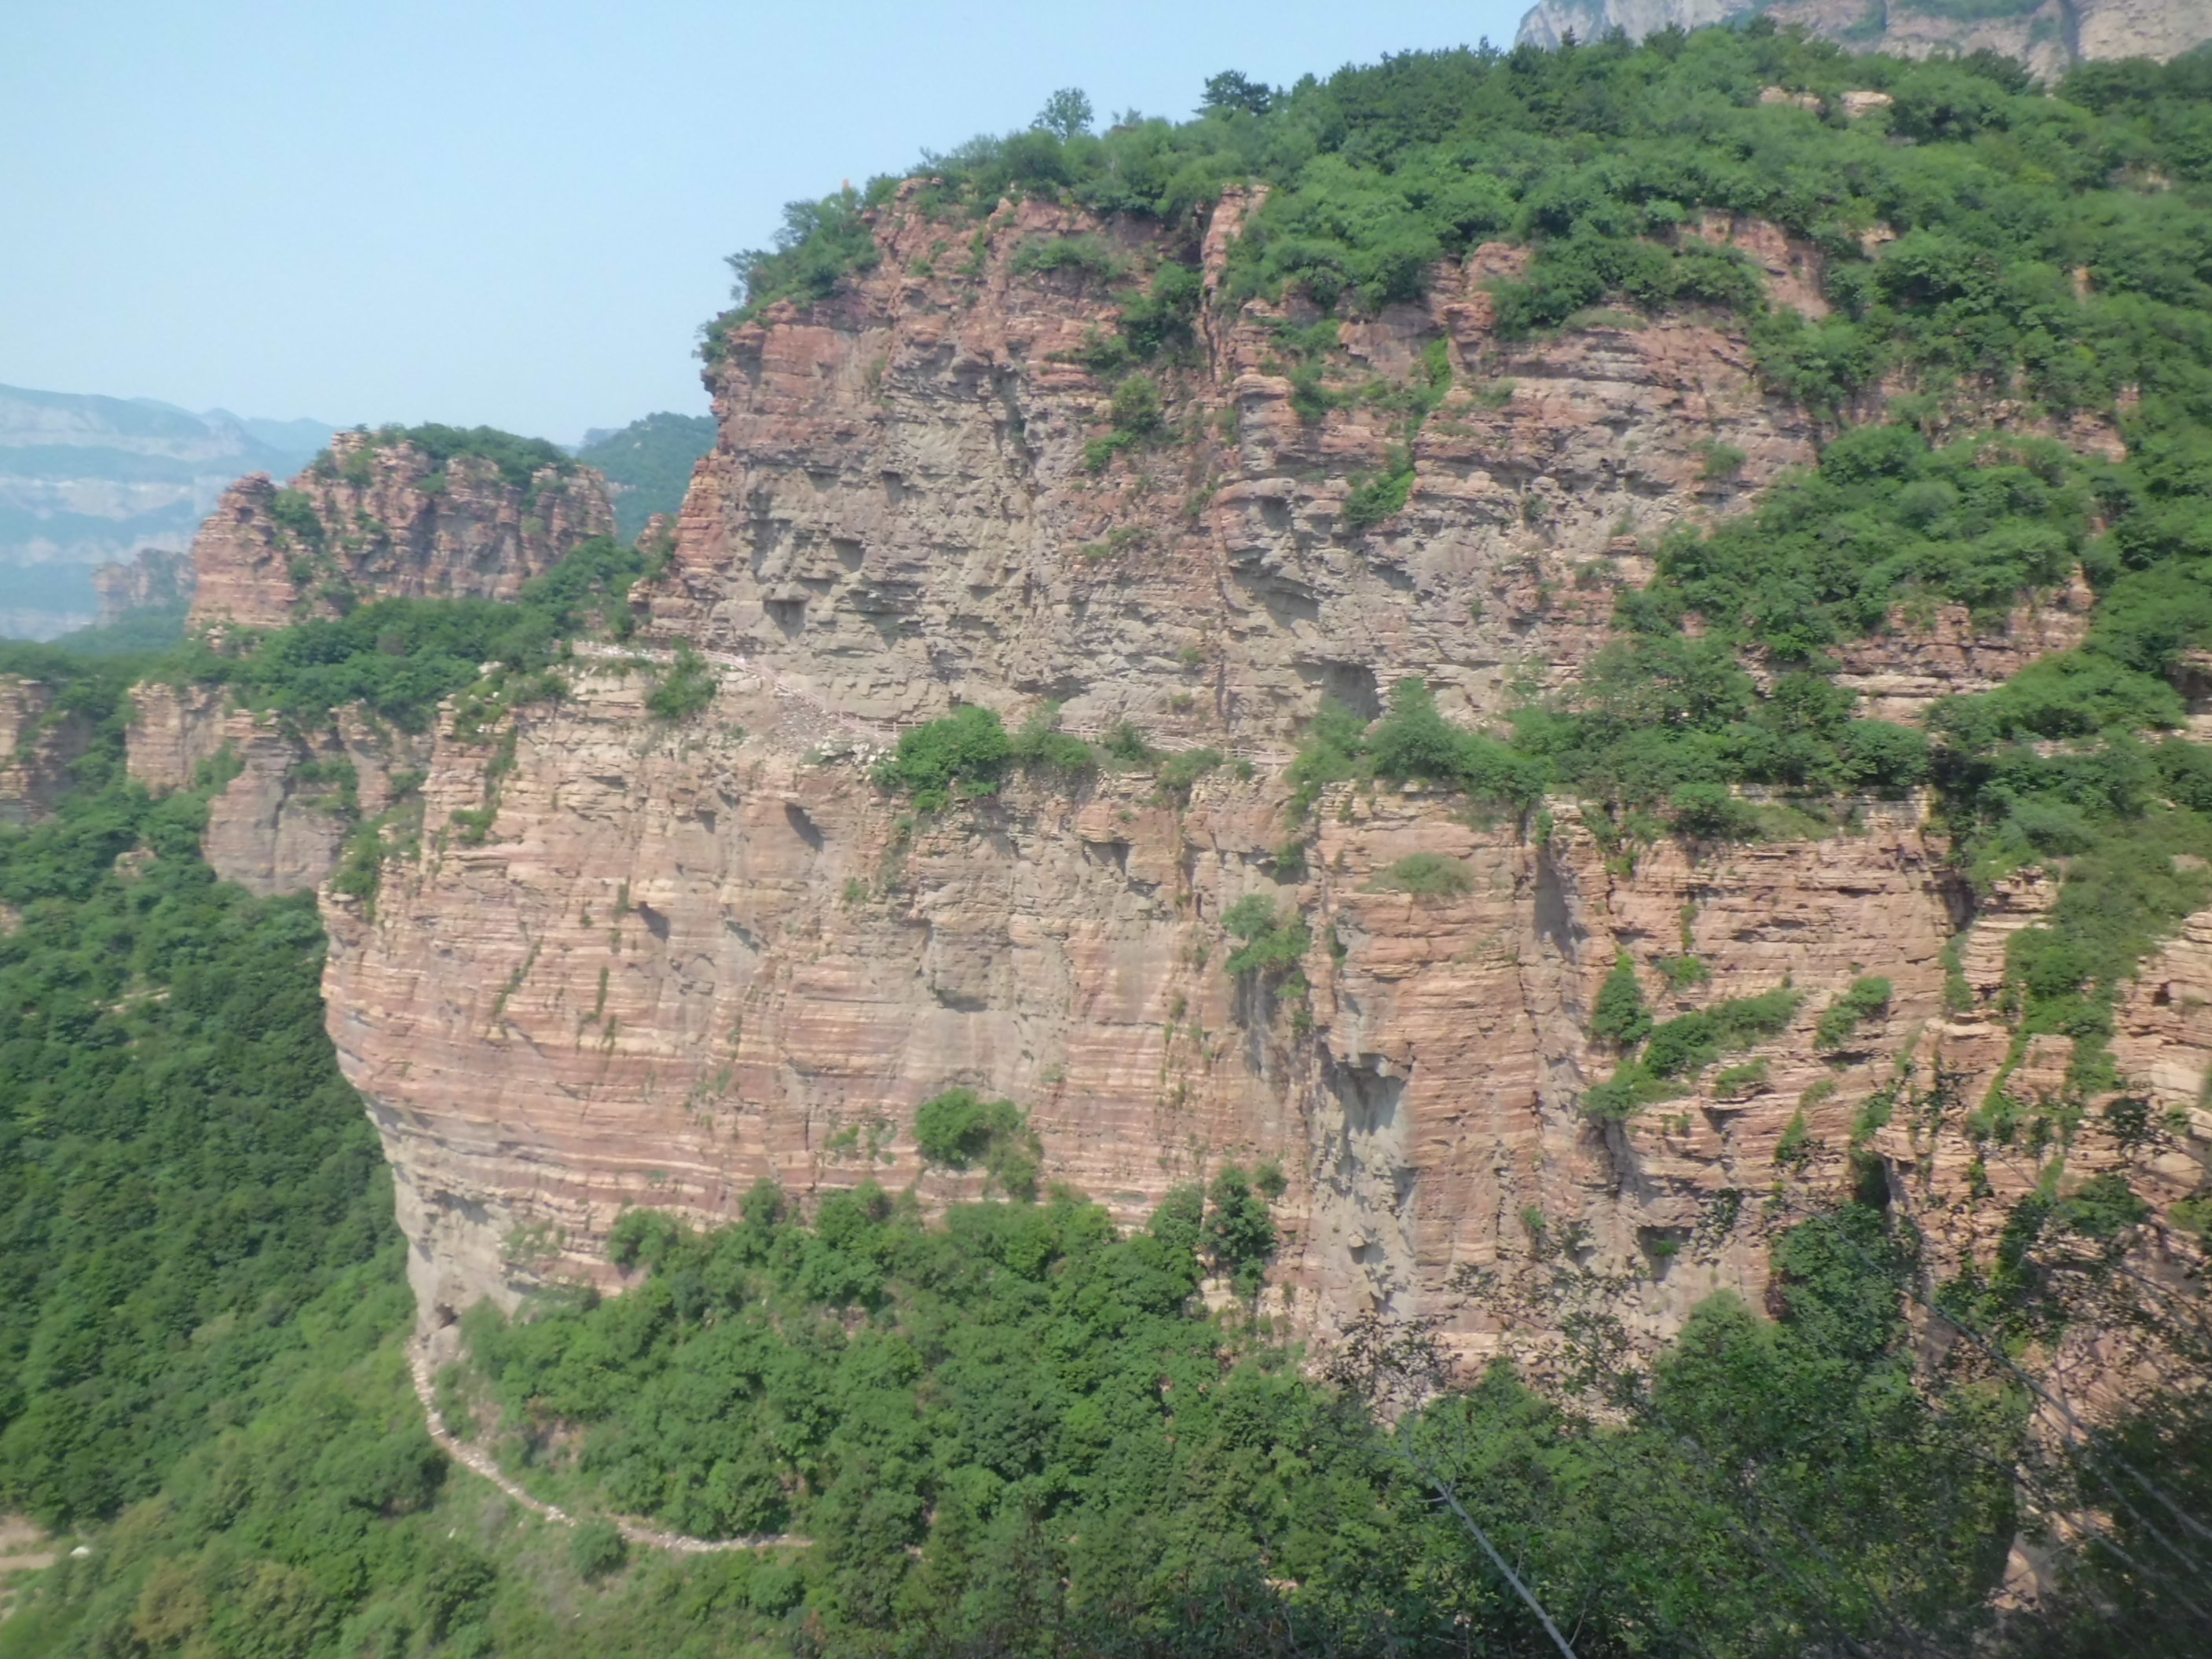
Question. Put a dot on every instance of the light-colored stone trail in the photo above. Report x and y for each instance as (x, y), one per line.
(882, 735)
(478, 1461)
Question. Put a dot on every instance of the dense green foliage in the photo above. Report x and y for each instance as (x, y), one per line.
(1620, 1015)
(963, 755)
(1011, 1433)
(519, 459)
(1867, 999)
(651, 459)
(1413, 743)
(961, 1130)
(687, 687)
(1601, 153)
(1674, 1051)
(1272, 941)
(181, 1169)
(401, 658)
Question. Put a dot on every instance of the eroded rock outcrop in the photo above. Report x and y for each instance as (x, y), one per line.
(640, 963)
(284, 801)
(382, 518)
(2049, 36)
(39, 741)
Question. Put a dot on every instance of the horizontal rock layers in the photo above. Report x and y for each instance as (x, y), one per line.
(683, 956)
(380, 518)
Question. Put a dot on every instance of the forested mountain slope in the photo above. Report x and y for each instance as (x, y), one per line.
(1530, 721)
(2049, 36)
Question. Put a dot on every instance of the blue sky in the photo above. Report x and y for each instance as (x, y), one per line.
(505, 213)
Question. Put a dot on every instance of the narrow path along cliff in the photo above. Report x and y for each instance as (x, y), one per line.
(478, 1462)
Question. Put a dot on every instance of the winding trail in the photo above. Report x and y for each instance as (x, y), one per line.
(879, 736)
(478, 1461)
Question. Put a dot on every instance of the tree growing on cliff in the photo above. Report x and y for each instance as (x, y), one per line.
(1232, 89)
(1067, 113)
(1622, 1016)
(961, 1130)
(960, 756)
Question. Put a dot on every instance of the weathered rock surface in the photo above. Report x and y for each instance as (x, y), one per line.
(288, 802)
(151, 578)
(38, 744)
(2049, 36)
(384, 519)
(684, 956)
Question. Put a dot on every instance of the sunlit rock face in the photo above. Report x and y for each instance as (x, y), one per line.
(628, 961)
(2049, 36)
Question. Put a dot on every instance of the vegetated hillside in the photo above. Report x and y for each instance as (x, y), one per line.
(2049, 36)
(1717, 454)
(1014, 1428)
(649, 464)
(88, 480)
(429, 511)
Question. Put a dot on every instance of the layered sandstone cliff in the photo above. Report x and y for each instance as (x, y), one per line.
(39, 741)
(283, 801)
(2049, 36)
(634, 962)
(152, 579)
(381, 517)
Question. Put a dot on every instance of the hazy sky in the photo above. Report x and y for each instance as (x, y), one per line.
(478, 211)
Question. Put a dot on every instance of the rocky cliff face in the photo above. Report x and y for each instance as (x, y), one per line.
(383, 518)
(2049, 36)
(38, 744)
(684, 956)
(152, 579)
(287, 800)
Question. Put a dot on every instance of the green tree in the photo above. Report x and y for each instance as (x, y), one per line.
(1065, 114)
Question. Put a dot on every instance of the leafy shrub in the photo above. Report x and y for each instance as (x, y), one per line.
(960, 1130)
(963, 755)
(1414, 742)
(1273, 943)
(1089, 257)
(1135, 406)
(294, 513)
(1620, 1015)
(1125, 746)
(597, 1548)
(1160, 319)
(1711, 811)
(819, 245)
(1042, 746)
(1683, 1046)
(1179, 772)
(1867, 999)
(684, 689)
(1240, 1234)
(1740, 1081)
(1372, 500)
(1329, 754)
(1425, 875)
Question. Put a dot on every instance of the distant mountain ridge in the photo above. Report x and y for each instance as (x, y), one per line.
(648, 463)
(2049, 36)
(86, 480)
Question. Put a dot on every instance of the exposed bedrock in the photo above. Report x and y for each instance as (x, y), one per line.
(685, 956)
